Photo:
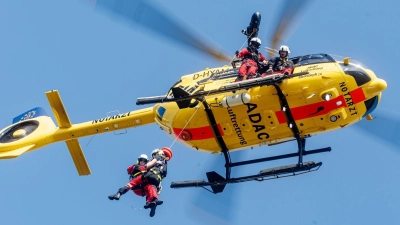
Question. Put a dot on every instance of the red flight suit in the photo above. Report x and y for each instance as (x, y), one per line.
(249, 63)
(149, 180)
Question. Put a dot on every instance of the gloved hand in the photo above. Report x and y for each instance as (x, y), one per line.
(269, 71)
(130, 169)
(237, 53)
(140, 168)
(281, 68)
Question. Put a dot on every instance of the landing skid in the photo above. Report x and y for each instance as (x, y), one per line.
(218, 183)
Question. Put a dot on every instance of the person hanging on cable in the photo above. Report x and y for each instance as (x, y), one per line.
(251, 58)
(146, 178)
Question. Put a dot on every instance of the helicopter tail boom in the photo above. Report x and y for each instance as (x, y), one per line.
(70, 133)
(34, 129)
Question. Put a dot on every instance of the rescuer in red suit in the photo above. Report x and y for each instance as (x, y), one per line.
(250, 60)
(146, 178)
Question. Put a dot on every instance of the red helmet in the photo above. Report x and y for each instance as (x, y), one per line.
(167, 152)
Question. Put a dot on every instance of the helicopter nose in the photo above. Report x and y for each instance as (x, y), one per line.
(375, 87)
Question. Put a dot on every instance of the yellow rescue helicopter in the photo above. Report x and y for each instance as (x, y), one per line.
(209, 111)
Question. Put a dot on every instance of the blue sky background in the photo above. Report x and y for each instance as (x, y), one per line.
(100, 64)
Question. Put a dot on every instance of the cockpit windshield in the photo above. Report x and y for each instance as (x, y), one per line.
(312, 59)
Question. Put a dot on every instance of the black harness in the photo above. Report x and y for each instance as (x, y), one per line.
(255, 55)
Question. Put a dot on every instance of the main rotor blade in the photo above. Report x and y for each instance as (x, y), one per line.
(289, 13)
(141, 12)
(385, 126)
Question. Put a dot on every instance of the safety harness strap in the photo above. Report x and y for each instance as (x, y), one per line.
(138, 173)
(156, 173)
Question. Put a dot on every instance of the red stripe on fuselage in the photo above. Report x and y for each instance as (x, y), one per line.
(199, 133)
(357, 95)
(317, 109)
(321, 108)
(281, 116)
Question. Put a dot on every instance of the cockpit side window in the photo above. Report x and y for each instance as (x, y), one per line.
(359, 74)
(160, 112)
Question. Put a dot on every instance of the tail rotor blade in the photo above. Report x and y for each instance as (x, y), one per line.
(141, 12)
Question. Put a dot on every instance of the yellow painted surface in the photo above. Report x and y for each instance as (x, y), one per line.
(78, 157)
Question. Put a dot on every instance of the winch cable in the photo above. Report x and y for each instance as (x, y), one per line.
(204, 98)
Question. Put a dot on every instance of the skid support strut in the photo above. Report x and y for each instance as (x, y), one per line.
(220, 140)
(301, 142)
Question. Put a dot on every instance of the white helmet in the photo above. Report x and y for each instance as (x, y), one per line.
(143, 157)
(284, 48)
(255, 41)
(155, 151)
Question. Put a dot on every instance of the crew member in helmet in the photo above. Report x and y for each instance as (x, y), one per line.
(281, 64)
(146, 177)
(166, 153)
(251, 58)
(160, 168)
(134, 171)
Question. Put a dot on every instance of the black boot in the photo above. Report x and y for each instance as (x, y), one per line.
(153, 205)
(159, 202)
(149, 205)
(153, 210)
(120, 192)
(115, 197)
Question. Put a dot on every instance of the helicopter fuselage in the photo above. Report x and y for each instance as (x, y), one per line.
(331, 96)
